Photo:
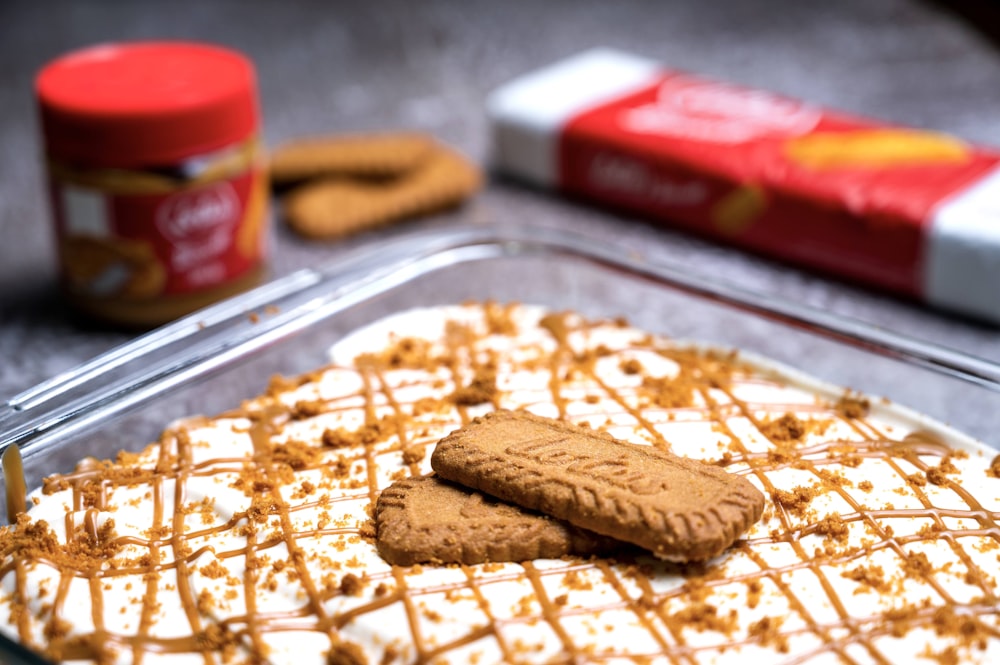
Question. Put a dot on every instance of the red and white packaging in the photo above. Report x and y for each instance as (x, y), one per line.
(911, 211)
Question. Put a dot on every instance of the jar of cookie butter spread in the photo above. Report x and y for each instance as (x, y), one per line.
(158, 184)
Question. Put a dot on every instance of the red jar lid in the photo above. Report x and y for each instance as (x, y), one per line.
(146, 103)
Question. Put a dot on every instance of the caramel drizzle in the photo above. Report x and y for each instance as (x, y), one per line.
(506, 652)
(177, 543)
(639, 608)
(775, 575)
(371, 417)
(146, 618)
(15, 489)
(650, 609)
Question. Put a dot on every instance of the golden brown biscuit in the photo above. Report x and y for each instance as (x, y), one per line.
(429, 520)
(677, 508)
(376, 156)
(332, 208)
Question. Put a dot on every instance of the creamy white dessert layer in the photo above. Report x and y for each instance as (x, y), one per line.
(247, 537)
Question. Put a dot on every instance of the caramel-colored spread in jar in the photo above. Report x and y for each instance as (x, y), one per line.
(157, 178)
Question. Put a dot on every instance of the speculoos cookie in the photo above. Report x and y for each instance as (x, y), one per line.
(678, 508)
(328, 208)
(429, 520)
(375, 156)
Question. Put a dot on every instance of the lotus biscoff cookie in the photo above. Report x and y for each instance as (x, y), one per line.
(334, 207)
(679, 509)
(386, 155)
(429, 520)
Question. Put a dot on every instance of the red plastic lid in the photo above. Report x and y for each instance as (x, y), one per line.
(146, 103)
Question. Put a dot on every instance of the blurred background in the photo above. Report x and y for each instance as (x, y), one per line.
(328, 67)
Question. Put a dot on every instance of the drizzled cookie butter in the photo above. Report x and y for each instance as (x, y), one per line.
(247, 537)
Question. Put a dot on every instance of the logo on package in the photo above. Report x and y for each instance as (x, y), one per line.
(198, 215)
(200, 226)
(717, 113)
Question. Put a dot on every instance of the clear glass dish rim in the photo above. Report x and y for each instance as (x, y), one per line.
(226, 332)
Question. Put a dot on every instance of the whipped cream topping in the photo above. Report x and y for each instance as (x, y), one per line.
(247, 537)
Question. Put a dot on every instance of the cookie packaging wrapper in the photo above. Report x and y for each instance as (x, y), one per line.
(910, 211)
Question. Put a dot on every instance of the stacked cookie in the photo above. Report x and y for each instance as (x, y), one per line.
(589, 490)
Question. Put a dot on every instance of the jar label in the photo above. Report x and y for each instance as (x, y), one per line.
(139, 246)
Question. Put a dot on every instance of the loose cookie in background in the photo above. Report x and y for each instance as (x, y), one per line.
(332, 207)
(363, 156)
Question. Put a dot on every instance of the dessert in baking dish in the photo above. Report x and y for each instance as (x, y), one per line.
(250, 537)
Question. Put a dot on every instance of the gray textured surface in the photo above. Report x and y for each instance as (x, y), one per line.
(328, 66)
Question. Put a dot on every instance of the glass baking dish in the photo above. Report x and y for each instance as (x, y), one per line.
(211, 360)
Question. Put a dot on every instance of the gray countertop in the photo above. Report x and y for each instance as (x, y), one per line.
(342, 67)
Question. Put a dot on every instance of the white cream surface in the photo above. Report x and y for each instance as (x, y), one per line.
(859, 557)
